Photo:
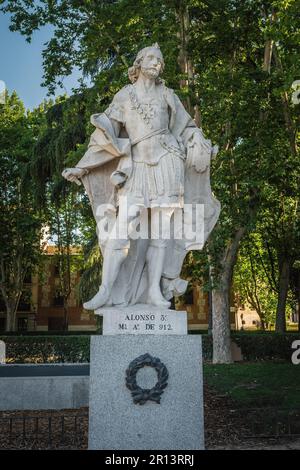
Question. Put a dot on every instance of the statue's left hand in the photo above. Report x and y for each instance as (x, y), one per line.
(73, 174)
(199, 152)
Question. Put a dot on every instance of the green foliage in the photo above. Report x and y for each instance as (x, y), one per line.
(91, 277)
(256, 278)
(60, 139)
(47, 349)
(20, 223)
(64, 221)
(258, 346)
(242, 95)
(96, 36)
(266, 347)
(70, 347)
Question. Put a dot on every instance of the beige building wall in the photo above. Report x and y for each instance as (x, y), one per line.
(247, 319)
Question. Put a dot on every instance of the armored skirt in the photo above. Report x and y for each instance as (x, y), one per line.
(160, 184)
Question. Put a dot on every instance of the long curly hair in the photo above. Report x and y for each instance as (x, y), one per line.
(134, 71)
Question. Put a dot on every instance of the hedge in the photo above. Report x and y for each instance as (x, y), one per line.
(43, 349)
(51, 333)
(267, 346)
(73, 348)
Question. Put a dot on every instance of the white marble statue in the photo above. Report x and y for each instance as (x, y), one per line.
(147, 151)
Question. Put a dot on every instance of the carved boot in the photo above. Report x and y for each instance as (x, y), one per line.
(155, 261)
(112, 262)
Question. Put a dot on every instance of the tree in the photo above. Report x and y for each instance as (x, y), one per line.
(280, 230)
(20, 223)
(295, 287)
(255, 278)
(245, 94)
(67, 211)
(232, 62)
(63, 220)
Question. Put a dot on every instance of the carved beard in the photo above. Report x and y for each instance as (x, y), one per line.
(149, 72)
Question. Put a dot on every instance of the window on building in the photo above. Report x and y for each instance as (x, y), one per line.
(295, 316)
(2, 305)
(56, 270)
(188, 297)
(2, 324)
(58, 300)
(28, 278)
(22, 324)
(24, 304)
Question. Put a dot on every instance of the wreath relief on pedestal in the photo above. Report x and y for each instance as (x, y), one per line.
(142, 395)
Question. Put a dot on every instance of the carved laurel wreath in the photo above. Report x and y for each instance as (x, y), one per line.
(141, 395)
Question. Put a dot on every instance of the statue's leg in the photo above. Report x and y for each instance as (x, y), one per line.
(155, 257)
(115, 253)
(155, 262)
(112, 260)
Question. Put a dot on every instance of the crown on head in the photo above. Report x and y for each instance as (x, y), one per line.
(156, 45)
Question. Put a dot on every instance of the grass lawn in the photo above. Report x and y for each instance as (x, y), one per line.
(256, 384)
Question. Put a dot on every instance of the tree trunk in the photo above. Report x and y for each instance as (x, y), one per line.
(220, 301)
(298, 300)
(268, 55)
(184, 61)
(66, 323)
(210, 312)
(11, 300)
(210, 301)
(221, 323)
(284, 279)
(11, 314)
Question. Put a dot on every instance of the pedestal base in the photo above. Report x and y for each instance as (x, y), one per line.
(117, 423)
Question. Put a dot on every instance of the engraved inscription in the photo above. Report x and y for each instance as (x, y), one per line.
(168, 322)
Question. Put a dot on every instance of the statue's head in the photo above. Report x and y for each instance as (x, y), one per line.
(148, 60)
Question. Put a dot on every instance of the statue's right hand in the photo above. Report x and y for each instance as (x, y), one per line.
(73, 174)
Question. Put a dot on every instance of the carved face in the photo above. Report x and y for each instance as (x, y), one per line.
(152, 63)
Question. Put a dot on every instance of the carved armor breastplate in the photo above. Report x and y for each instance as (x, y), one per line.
(146, 121)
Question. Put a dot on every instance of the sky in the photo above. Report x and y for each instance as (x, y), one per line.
(21, 64)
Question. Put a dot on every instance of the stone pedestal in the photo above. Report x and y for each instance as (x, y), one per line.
(163, 407)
